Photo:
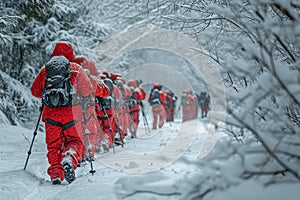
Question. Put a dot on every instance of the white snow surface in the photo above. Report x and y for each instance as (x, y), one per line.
(116, 182)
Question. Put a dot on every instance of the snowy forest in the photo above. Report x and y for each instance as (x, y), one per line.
(253, 44)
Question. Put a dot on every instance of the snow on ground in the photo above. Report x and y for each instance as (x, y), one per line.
(117, 174)
(133, 172)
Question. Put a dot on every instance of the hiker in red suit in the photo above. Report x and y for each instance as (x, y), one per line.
(170, 106)
(138, 94)
(195, 107)
(157, 99)
(106, 116)
(119, 108)
(127, 120)
(189, 105)
(118, 132)
(63, 119)
(91, 124)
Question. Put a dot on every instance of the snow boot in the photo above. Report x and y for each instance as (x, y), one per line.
(82, 163)
(56, 181)
(118, 142)
(105, 147)
(69, 173)
(133, 135)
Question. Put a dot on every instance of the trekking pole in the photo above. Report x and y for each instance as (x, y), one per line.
(119, 128)
(87, 134)
(34, 134)
(110, 127)
(144, 118)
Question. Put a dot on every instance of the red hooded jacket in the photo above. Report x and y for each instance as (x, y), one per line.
(78, 78)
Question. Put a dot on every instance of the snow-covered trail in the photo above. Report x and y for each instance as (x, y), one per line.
(139, 159)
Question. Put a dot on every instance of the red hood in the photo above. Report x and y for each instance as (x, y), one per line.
(64, 49)
(80, 60)
(86, 64)
(156, 86)
(91, 66)
(114, 76)
(132, 83)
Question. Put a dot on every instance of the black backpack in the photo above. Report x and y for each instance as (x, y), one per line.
(107, 102)
(202, 99)
(58, 90)
(155, 98)
(132, 101)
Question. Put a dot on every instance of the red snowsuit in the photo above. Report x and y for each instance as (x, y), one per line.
(127, 120)
(158, 110)
(96, 133)
(189, 106)
(92, 125)
(195, 106)
(107, 122)
(63, 144)
(170, 106)
(117, 111)
(120, 98)
(134, 109)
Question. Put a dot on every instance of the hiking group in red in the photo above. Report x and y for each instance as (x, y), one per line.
(86, 111)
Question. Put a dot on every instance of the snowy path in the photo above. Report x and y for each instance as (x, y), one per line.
(117, 174)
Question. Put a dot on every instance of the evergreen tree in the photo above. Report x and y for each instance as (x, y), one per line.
(29, 29)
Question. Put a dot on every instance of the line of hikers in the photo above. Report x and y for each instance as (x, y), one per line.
(163, 103)
(84, 112)
(190, 103)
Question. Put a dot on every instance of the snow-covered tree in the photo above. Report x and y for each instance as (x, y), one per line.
(255, 43)
(28, 32)
(29, 29)
(263, 72)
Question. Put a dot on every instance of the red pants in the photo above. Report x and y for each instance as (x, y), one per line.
(204, 110)
(92, 127)
(108, 125)
(158, 111)
(124, 120)
(189, 112)
(170, 114)
(118, 120)
(108, 134)
(61, 144)
(135, 114)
